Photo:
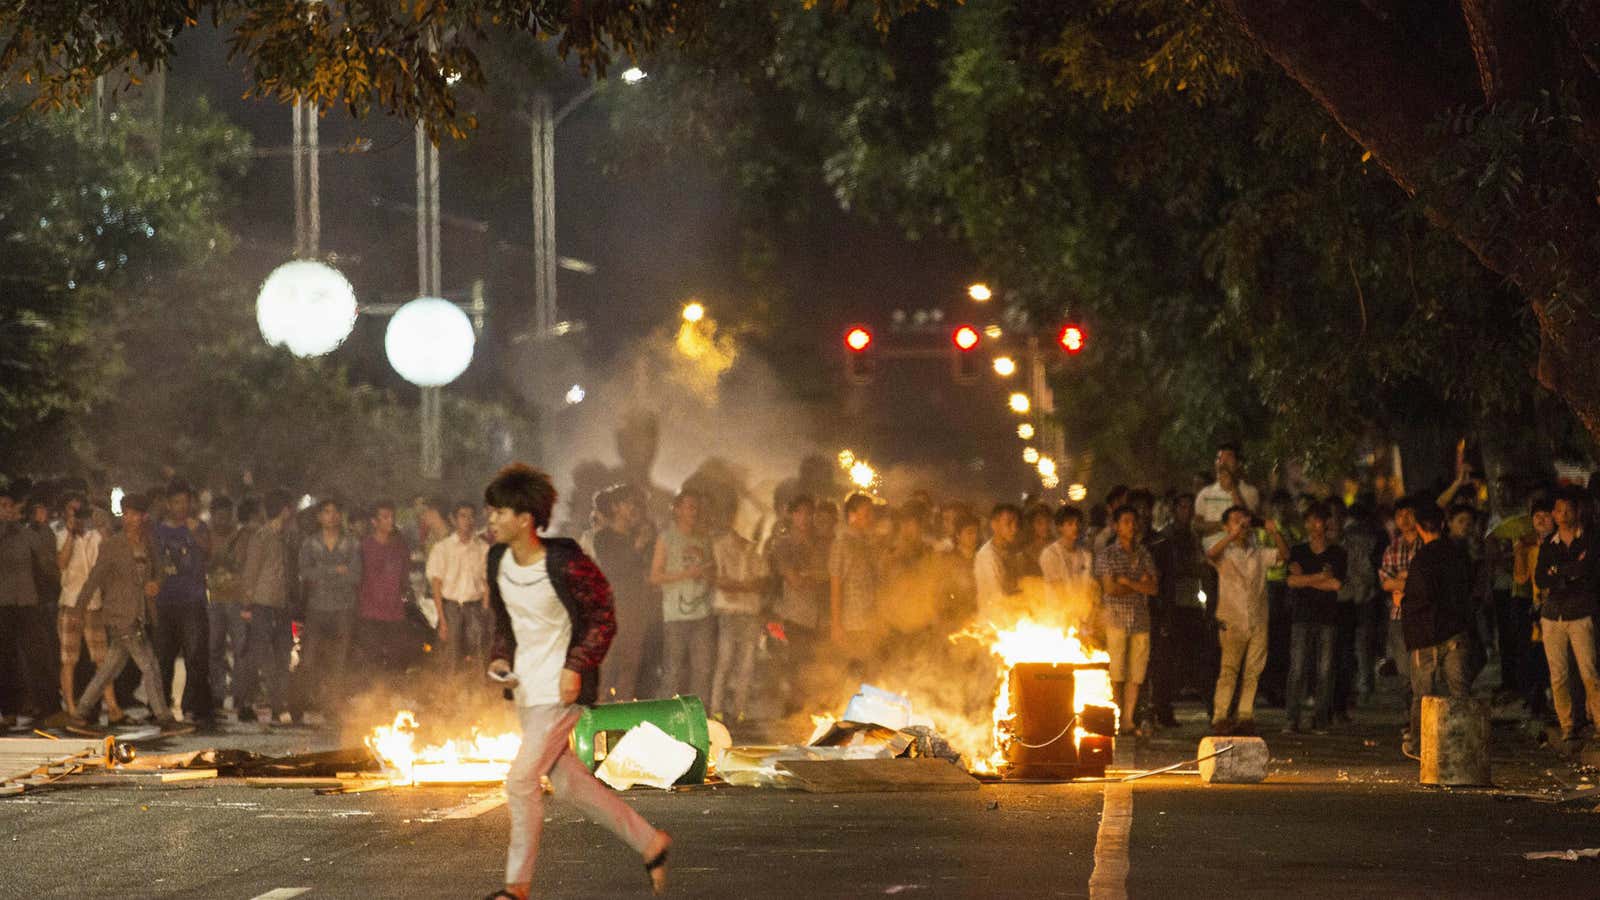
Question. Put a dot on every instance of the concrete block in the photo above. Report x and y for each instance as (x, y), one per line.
(1246, 763)
(1455, 741)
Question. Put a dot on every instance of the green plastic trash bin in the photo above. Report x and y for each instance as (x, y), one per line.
(600, 727)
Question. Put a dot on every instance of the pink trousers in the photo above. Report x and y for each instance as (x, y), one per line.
(545, 751)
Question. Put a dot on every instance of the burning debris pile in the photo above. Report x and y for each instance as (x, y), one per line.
(477, 759)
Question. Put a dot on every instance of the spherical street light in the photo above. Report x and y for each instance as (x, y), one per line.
(694, 311)
(1030, 455)
(307, 307)
(1020, 403)
(979, 292)
(1025, 431)
(430, 342)
(1005, 366)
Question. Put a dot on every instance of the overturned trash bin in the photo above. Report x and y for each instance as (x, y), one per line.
(684, 718)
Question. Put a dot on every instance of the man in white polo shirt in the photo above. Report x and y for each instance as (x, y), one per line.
(553, 623)
(1229, 490)
(1241, 615)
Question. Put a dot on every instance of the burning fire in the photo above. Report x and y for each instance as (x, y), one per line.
(480, 759)
(1031, 642)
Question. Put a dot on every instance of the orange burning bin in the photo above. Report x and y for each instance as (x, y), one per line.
(1050, 734)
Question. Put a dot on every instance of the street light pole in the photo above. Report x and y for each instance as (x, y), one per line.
(429, 284)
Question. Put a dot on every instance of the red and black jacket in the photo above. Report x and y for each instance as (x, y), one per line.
(583, 590)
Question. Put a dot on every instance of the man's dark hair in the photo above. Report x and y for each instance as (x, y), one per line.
(326, 502)
(1319, 511)
(1430, 518)
(1233, 448)
(965, 520)
(1141, 496)
(382, 504)
(1039, 510)
(605, 501)
(1542, 504)
(1125, 509)
(1573, 495)
(135, 502)
(1409, 502)
(1068, 513)
(464, 504)
(1115, 496)
(800, 501)
(178, 486)
(275, 502)
(1457, 509)
(221, 503)
(1001, 509)
(249, 508)
(10, 492)
(1181, 496)
(521, 488)
(1236, 508)
(687, 494)
(855, 501)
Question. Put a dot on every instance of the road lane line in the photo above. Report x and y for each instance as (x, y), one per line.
(477, 808)
(281, 893)
(1109, 881)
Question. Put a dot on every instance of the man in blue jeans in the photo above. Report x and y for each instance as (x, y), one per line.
(1435, 613)
(1316, 572)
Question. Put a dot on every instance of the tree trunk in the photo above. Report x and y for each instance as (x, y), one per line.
(1385, 92)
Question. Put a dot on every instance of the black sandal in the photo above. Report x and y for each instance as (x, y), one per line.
(657, 862)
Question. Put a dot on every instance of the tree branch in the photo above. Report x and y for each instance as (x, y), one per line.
(1510, 42)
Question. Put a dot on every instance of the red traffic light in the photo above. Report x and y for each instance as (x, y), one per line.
(1071, 338)
(858, 339)
(965, 338)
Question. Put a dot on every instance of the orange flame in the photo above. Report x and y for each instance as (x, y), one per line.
(478, 759)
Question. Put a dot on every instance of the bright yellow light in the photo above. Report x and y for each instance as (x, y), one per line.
(1005, 366)
(1025, 431)
(862, 475)
(1050, 482)
(1030, 455)
(993, 332)
(694, 311)
(1020, 403)
(1077, 492)
(1047, 467)
(847, 458)
(979, 292)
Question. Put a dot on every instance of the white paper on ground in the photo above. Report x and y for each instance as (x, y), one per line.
(646, 755)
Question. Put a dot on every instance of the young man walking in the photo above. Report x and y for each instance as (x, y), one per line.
(1242, 615)
(1128, 579)
(126, 576)
(553, 623)
(1316, 572)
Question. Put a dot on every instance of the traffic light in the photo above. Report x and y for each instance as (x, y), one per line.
(965, 362)
(858, 364)
(1071, 338)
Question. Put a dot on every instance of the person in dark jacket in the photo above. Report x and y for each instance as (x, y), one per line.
(553, 623)
(1567, 574)
(1434, 615)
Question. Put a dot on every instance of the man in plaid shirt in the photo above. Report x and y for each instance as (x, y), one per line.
(1128, 579)
(1392, 574)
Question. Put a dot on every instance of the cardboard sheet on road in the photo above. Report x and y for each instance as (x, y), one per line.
(860, 776)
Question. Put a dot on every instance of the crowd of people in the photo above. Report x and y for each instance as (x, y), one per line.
(1218, 594)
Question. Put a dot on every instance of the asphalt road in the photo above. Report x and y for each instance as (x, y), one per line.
(1341, 815)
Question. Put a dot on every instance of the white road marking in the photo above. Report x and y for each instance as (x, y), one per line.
(1109, 880)
(477, 807)
(281, 893)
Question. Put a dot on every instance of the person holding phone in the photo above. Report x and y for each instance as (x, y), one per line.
(553, 623)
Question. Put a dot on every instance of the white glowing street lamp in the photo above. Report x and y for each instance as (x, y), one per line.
(694, 311)
(307, 307)
(430, 342)
(1005, 366)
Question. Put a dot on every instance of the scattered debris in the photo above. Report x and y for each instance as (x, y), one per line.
(876, 706)
(646, 755)
(1568, 855)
